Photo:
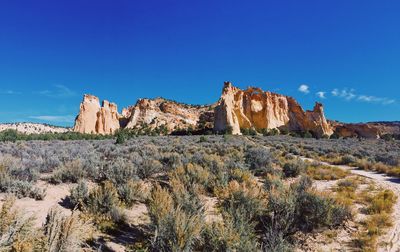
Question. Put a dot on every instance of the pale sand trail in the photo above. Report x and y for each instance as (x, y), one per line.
(392, 237)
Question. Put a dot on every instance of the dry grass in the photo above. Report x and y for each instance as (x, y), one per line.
(66, 233)
(379, 205)
(16, 230)
(324, 172)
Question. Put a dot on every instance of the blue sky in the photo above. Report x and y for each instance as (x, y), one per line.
(52, 52)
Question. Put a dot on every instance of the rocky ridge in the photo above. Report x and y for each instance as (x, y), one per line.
(236, 109)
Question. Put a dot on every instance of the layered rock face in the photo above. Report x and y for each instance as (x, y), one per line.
(254, 108)
(173, 116)
(96, 119)
(147, 113)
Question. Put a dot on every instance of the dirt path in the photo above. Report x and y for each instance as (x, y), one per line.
(392, 238)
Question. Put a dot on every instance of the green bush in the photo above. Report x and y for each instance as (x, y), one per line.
(293, 168)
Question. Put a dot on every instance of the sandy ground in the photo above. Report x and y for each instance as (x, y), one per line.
(391, 240)
(39, 208)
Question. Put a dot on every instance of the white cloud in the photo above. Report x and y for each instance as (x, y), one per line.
(304, 89)
(321, 94)
(49, 118)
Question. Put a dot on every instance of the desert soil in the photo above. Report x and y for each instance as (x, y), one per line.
(390, 242)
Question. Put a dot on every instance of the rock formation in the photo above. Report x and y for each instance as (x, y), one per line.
(159, 112)
(371, 130)
(254, 108)
(93, 118)
(33, 128)
(236, 109)
(149, 114)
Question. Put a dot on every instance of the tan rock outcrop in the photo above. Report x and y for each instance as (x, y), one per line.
(96, 119)
(160, 112)
(254, 108)
(361, 130)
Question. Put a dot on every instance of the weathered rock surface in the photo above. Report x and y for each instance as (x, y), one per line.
(33, 128)
(371, 130)
(96, 119)
(254, 108)
(147, 114)
(160, 112)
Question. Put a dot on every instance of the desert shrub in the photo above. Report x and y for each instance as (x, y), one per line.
(186, 195)
(192, 174)
(348, 159)
(121, 137)
(248, 199)
(235, 233)
(130, 192)
(103, 202)
(71, 171)
(79, 194)
(37, 193)
(174, 228)
(148, 168)
(19, 188)
(278, 222)
(119, 171)
(293, 168)
(391, 159)
(259, 160)
(272, 182)
(314, 211)
(65, 233)
(16, 230)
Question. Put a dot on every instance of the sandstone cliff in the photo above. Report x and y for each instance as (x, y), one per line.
(160, 112)
(149, 114)
(254, 108)
(93, 118)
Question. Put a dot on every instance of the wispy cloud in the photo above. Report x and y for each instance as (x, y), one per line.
(59, 91)
(9, 92)
(304, 89)
(383, 100)
(351, 94)
(344, 93)
(321, 94)
(50, 118)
